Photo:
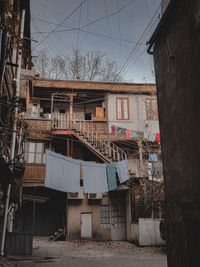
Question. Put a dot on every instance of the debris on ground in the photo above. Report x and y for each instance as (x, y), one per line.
(108, 244)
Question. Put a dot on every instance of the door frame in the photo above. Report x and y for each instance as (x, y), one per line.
(85, 212)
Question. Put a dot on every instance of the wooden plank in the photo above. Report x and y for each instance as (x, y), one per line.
(80, 85)
(64, 132)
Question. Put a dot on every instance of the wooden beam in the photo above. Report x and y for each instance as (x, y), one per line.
(68, 146)
(65, 132)
(80, 85)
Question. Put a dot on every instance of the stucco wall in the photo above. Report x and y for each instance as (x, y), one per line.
(75, 207)
(134, 233)
(146, 232)
(149, 233)
(137, 113)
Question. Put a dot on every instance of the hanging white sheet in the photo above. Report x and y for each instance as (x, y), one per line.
(62, 173)
(94, 178)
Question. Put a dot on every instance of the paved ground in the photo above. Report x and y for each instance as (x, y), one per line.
(89, 254)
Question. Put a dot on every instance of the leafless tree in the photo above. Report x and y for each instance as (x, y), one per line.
(91, 66)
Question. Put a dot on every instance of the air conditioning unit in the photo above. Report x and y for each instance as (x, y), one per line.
(95, 196)
(76, 195)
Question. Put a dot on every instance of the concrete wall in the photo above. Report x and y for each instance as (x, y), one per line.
(146, 232)
(134, 233)
(149, 232)
(137, 113)
(75, 207)
(177, 58)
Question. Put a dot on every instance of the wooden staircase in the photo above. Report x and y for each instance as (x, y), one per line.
(98, 143)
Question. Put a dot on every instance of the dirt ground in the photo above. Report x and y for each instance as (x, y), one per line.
(88, 254)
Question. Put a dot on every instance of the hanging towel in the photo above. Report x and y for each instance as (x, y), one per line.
(150, 171)
(152, 137)
(62, 173)
(111, 175)
(157, 139)
(121, 131)
(146, 135)
(94, 178)
(133, 134)
(140, 134)
(153, 157)
(128, 134)
(113, 129)
(122, 170)
(157, 169)
(117, 130)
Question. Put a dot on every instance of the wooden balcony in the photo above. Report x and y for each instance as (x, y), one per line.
(62, 121)
(34, 175)
(38, 126)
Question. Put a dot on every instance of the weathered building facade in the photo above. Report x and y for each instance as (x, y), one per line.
(15, 53)
(88, 121)
(175, 46)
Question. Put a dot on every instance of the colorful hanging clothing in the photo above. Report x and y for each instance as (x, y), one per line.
(153, 157)
(121, 131)
(94, 178)
(152, 137)
(122, 170)
(113, 129)
(157, 169)
(111, 176)
(140, 134)
(117, 130)
(62, 173)
(146, 135)
(157, 139)
(128, 134)
(134, 134)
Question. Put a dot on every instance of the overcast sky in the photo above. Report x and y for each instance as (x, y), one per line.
(119, 28)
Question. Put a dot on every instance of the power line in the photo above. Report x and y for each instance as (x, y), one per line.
(135, 48)
(78, 31)
(65, 19)
(90, 32)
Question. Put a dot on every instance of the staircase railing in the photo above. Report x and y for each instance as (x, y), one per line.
(98, 140)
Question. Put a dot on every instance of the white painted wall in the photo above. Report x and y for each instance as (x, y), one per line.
(137, 112)
(147, 232)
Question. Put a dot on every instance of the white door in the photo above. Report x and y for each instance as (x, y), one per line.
(118, 222)
(86, 225)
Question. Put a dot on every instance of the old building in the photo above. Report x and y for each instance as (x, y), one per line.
(15, 52)
(89, 121)
(175, 46)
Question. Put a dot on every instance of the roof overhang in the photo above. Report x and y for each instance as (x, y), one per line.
(94, 86)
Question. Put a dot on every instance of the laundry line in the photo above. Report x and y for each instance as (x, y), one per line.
(63, 174)
(118, 131)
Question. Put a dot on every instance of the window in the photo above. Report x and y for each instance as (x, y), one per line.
(105, 217)
(122, 105)
(34, 108)
(151, 109)
(34, 153)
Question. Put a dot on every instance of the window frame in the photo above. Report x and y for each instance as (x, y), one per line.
(152, 118)
(122, 109)
(35, 152)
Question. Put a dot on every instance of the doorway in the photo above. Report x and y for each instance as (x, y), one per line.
(86, 225)
(118, 216)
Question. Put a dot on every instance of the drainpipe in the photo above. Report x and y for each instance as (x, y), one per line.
(14, 131)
